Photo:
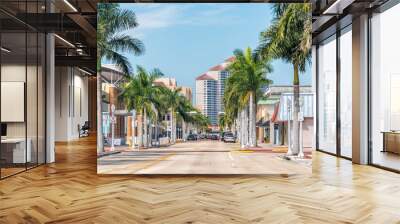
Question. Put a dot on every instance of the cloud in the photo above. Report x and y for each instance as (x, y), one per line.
(158, 17)
(153, 16)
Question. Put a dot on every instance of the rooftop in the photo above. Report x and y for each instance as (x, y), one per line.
(207, 76)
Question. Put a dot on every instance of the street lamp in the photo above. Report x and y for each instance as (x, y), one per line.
(289, 118)
(301, 119)
(112, 126)
(133, 124)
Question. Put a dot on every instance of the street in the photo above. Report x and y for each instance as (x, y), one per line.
(202, 157)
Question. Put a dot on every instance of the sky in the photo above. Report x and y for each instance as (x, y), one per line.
(185, 40)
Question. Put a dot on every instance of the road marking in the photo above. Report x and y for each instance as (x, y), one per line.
(231, 158)
(244, 151)
(157, 160)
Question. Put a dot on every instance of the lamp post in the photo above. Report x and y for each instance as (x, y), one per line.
(112, 126)
(133, 128)
(301, 119)
(289, 118)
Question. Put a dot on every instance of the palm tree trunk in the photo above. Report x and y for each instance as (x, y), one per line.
(243, 128)
(252, 121)
(237, 127)
(142, 129)
(146, 137)
(247, 126)
(151, 133)
(296, 109)
(100, 147)
(173, 125)
(156, 130)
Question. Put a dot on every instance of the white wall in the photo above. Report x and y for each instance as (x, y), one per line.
(71, 103)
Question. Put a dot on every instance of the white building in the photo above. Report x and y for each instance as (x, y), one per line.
(210, 88)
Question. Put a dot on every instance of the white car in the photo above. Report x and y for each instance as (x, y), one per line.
(229, 137)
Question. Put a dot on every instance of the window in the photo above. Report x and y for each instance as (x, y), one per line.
(22, 75)
(346, 92)
(385, 89)
(327, 95)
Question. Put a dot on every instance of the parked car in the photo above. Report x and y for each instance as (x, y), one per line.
(202, 136)
(229, 137)
(192, 137)
(215, 136)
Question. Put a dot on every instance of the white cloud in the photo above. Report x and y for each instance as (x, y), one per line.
(158, 17)
(153, 16)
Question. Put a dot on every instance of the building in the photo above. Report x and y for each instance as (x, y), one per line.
(171, 83)
(167, 82)
(210, 88)
(275, 110)
(187, 92)
(180, 125)
(113, 80)
(356, 79)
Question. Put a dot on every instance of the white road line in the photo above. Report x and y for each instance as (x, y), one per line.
(231, 158)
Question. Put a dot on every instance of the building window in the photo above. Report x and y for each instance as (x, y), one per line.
(22, 76)
(327, 95)
(385, 89)
(346, 92)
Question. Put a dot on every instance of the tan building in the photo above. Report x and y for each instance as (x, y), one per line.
(171, 83)
(168, 82)
(187, 92)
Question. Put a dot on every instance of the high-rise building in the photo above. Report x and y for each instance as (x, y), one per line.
(210, 88)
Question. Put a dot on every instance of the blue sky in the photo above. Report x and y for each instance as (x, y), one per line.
(184, 40)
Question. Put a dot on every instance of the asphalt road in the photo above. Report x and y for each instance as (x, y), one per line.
(200, 157)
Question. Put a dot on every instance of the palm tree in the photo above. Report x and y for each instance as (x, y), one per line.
(232, 108)
(141, 94)
(222, 122)
(112, 20)
(173, 99)
(289, 38)
(248, 77)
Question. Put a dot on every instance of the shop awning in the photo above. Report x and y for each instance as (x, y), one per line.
(268, 101)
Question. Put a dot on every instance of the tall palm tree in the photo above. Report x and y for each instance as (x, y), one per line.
(248, 77)
(173, 99)
(141, 94)
(112, 21)
(185, 111)
(289, 38)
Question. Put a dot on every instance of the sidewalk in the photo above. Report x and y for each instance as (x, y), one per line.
(279, 149)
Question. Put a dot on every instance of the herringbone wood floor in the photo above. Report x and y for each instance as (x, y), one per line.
(70, 191)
